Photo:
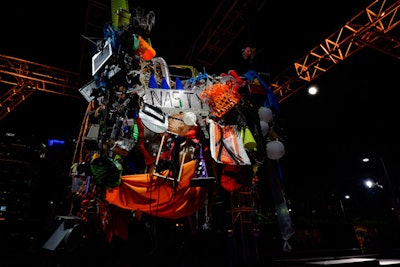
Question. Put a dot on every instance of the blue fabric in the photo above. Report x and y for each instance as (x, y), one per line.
(278, 194)
(111, 35)
(271, 100)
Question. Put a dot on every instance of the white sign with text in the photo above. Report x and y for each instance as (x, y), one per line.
(173, 101)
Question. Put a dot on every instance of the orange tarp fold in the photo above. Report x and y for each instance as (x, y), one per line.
(157, 196)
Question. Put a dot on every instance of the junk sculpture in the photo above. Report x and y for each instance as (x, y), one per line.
(153, 144)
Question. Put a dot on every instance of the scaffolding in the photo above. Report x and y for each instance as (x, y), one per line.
(244, 229)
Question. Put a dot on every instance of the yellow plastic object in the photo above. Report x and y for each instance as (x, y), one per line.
(248, 139)
(120, 14)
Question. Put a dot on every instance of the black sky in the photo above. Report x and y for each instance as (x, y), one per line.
(355, 113)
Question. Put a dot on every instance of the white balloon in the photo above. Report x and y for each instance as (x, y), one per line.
(265, 114)
(275, 150)
(264, 128)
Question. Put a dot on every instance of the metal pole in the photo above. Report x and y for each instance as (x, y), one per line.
(389, 183)
(394, 197)
(344, 213)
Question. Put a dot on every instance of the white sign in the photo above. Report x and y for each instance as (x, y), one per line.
(173, 101)
(101, 57)
(87, 89)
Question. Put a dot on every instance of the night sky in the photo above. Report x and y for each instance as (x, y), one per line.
(355, 113)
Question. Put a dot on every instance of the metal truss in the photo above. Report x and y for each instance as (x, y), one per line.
(367, 28)
(27, 77)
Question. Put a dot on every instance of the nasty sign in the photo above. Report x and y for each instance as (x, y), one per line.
(171, 101)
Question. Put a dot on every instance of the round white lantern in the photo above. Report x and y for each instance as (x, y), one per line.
(265, 114)
(275, 150)
(264, 128)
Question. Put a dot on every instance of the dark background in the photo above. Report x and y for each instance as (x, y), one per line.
(355, 113)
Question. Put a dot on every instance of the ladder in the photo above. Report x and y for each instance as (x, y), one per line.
(244, 225)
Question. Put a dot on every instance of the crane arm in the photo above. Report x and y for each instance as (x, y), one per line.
(367, 28)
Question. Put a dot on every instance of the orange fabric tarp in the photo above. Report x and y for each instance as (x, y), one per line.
(156, 196)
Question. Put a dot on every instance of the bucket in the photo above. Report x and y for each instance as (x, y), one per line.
(249, 142)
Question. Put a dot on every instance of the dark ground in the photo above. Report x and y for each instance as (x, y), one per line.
(154, 242)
